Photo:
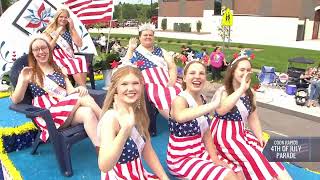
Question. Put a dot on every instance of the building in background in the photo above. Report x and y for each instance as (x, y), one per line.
(275, 19)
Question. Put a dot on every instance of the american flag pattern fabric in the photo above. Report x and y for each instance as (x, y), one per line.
(240, 147)
(60, 109)
(129, 165)
(73, 65)
(91, 11)
(156, 80)
(187, 157)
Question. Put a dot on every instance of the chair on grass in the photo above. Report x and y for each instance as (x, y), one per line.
(61, 139)
(282, 81)
(267, 76)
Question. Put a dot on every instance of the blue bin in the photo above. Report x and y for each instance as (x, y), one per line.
(291, 89)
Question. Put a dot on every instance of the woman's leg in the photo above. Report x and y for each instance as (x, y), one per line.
(80, 79)
(88, 101)
(87, 116)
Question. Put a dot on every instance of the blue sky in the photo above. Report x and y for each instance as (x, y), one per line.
(135, 1)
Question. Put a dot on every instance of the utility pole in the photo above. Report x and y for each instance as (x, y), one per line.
(151, 11)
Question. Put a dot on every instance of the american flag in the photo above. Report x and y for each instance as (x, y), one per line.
(156, 80)
(129, 165)
(60, 109)
(91, 11)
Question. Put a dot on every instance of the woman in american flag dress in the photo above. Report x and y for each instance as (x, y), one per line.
(61, 34)
(191, 153)
(52, 90)
(158, 69)
(123, 130)
(236, 144)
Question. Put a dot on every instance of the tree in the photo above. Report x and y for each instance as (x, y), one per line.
(5, 4)
(199, 26)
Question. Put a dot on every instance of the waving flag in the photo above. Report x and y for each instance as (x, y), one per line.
(91, 11)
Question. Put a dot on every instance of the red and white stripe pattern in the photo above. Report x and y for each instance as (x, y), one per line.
(73, 65)
(156, 81)
(60, 110)
(91, 11)
(240, 147)
(130, 170)
(187, 158)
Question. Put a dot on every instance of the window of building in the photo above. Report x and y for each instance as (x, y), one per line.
(217, 7)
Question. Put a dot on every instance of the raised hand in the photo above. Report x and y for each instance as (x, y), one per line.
(71, 24)
(125, 116)
(26, 74)
(245, 82)
(215, 101)
(133, 43)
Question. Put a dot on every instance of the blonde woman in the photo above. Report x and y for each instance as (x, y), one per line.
(123, 130)
(61, 35)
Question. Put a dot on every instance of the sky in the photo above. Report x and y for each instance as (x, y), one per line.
(135, 1)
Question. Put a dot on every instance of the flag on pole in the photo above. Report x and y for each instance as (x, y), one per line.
(91, 11)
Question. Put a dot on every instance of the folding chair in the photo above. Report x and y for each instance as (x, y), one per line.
(282, 81)
(267, 76)
(61, 139)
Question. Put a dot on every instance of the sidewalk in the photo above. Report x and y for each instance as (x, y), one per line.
(308, 44)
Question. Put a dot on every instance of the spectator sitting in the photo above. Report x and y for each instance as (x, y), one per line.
(187, 51)
(102, 42)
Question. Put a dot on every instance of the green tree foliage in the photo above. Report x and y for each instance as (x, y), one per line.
(140, 12)
(5, 4)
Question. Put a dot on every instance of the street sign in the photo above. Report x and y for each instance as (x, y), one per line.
(227, 18)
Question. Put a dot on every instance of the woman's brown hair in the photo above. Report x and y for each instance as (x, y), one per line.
(140, 112)
(229, 78)
(37, 73)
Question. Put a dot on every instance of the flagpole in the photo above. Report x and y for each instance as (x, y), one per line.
(107, 51)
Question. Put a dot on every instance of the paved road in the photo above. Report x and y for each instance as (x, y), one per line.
(280, 124)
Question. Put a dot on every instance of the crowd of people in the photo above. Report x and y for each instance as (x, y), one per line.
(200, 147)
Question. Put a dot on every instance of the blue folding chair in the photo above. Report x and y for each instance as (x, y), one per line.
(267, 76)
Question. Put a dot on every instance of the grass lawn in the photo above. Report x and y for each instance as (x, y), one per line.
(264, 55)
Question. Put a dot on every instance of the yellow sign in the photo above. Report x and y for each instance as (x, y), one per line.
(227, 18)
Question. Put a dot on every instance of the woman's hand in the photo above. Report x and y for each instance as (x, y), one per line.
(262, 142)
(125, 116)
(133, 43)
(26, 73)
(216, 99)
(83, 91)
(245, 82)
(71, 24)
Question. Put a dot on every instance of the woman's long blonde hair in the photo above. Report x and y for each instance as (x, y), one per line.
(37, 73)
(140, 112)
(53, 25)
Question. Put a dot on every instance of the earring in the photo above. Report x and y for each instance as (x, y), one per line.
(138, 104)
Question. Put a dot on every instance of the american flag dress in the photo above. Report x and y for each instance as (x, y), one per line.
(60, 109)
(241, 147)
(156, 76)
(73, 65)
(187, 157)
(129, 165)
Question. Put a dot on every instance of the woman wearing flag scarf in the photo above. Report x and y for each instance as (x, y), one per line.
(191, 153)
(123, 130)
(52, 90)
(158, 69)
(239, 146)
(61, 35)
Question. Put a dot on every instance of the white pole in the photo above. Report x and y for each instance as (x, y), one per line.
(107, 51)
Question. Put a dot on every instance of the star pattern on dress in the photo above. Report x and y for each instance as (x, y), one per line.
(56, 77)
(129, 153)
(143, 61)
(236, 116)
(67, 36)
(190, 128)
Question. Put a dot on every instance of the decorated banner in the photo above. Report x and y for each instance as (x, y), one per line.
(293, 149)
(23, 19)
